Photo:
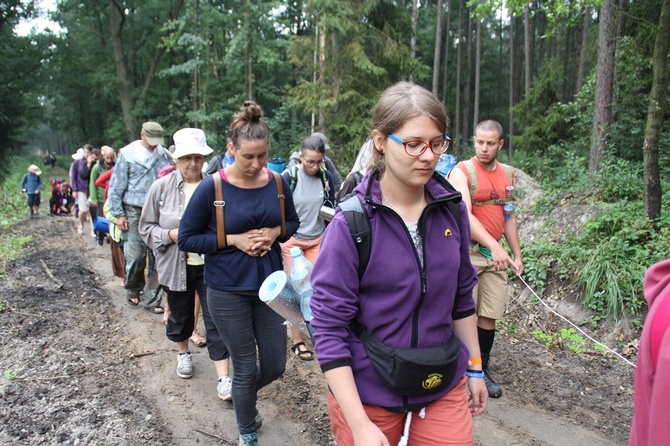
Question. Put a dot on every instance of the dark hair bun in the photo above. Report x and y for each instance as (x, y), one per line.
(248, 124)
(250, 111)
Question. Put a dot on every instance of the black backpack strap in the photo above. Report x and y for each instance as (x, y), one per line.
(359, 226)
(359, 222)
(452, 204)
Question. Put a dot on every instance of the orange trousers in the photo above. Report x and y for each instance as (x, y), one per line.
(447, 421)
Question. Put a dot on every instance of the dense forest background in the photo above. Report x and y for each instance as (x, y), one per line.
(580, 86)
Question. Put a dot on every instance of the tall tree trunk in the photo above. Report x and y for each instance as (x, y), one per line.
(567, 59)
(195, 90)
(541, 26)
(467, 94)
(518, 58)
(415, 19)
(620, 18)
(447, 45)
(322, 75)
(501, 63)
(583, 44)
(528, 48)
(116, 21)
(512, 84)
(657, 107)
(438, 47)
(602, 113)
(249, 52)
(158, 54)
(457, 112)
(478, 61)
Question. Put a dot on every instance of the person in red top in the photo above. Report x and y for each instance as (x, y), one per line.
(652, 378)
(485, 185)
(118, 261)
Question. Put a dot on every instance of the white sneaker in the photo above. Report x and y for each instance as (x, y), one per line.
(224, 387)
(80, 229)
(249, 439)
(184, 365)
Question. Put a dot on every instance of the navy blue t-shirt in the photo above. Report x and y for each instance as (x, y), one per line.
(245, 209)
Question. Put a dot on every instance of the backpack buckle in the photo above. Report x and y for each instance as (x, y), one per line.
(219, 203)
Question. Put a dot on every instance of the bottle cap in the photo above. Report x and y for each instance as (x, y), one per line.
(296, 252)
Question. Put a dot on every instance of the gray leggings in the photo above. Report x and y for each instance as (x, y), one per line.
(246, 323)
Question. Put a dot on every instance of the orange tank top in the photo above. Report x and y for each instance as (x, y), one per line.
(490, 186)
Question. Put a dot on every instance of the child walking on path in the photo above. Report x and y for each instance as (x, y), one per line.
(31, 184)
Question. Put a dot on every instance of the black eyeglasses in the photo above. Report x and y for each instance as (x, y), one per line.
(312, 163)
(418, 147)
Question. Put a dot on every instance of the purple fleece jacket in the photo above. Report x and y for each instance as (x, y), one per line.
(386, 301)
(78, 184)
(652, 377)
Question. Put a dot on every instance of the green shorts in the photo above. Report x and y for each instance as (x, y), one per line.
(490, 294)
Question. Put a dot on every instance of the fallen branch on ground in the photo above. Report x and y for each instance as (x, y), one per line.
(139, 355)
(216, 437)
(48, 271)
(23, 380)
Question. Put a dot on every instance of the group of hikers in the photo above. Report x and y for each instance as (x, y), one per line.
(421, 288)
(210, 233)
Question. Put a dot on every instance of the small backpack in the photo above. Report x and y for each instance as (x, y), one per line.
(349, 184)
(359, 222)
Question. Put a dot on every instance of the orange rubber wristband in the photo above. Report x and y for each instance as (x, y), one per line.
(475, 361)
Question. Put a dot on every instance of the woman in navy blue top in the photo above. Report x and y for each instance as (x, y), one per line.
(235, 273)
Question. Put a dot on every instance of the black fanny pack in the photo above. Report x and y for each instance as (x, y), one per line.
(412, 371)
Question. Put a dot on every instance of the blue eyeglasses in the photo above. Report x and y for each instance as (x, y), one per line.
(418, 147)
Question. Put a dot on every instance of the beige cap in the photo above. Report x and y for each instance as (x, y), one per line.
(34, 169)
(153, 132)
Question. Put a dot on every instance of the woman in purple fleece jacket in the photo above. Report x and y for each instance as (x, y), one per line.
(415, 292)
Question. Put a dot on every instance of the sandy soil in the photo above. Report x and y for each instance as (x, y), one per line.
(81, 367)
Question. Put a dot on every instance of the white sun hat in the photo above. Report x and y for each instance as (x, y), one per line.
(190, 141)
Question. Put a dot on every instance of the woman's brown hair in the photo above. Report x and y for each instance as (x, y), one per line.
(398, 104)
(248, 124)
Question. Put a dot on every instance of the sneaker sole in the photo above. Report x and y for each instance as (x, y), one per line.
(184, 376)
(226, 398)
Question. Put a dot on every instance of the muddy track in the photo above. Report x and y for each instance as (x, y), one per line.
(76, 371)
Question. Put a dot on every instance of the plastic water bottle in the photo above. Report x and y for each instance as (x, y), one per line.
(508, 207)
(301, 270)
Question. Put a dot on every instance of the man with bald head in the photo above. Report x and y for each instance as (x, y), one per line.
(97, 194)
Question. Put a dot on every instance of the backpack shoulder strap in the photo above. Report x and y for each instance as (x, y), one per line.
(161, 199)
(451, 204)
(509, 172)
(219, 204)
(473, 176)
(324, 180)
(293, 174)
(359, 226)
(281, 196)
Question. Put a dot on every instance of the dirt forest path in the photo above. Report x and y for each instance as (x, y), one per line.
(74, 371)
